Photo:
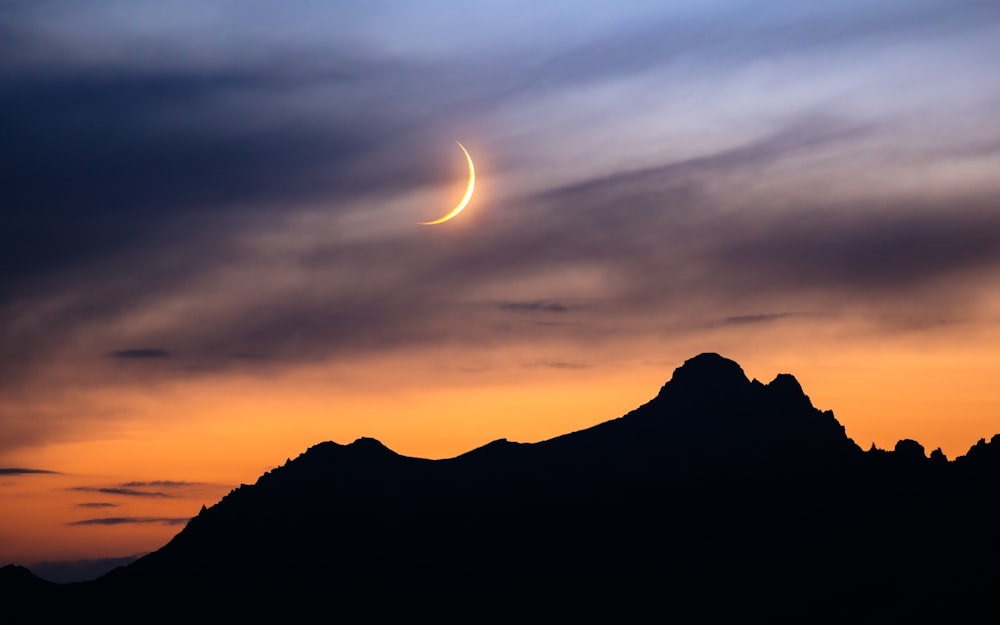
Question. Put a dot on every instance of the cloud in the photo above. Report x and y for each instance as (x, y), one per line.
(161, 484)
(750, 319)
(96, 504)
(534, 306)
(558, 364)
(796, 136)
(23, 471)
(130, 520)
(142, 353)
(872, 250)
(145, 153)
(673, 249)
(153, 489)
(125, 492)
(113, 156)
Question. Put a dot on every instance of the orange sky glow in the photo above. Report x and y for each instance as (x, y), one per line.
(215, 434)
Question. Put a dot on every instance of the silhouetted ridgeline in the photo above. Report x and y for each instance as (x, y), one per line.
(721, 498)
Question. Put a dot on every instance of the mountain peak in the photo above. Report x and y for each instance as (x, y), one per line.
(370, 444)
(711, 366)
(707, 374)
(787, 390)
(786, 382)
(367, 447)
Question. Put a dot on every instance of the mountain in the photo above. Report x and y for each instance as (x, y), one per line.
(720, 498)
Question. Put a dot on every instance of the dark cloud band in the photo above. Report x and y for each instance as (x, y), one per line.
(23, 471)
(125, 492)
(139, 354)
(130, 520)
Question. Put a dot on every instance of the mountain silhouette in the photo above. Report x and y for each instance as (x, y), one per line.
(720, 498)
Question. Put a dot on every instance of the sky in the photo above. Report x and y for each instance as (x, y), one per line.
(210, 256)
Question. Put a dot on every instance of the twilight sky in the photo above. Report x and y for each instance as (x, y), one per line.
(209, 257)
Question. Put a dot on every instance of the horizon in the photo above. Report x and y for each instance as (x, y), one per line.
(211, 257)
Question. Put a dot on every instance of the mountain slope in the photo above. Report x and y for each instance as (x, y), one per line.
(721, 497)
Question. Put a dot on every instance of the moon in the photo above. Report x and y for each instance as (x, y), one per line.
(465, 198)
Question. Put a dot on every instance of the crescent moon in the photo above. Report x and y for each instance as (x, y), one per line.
(465, 198)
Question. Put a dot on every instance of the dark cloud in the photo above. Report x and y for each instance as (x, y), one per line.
(161, 484)
(676, 247)
(104, 160)
(97, 504)
(534, 306)
(23, 471)
(125, 492)
(796, 137)
(872, 249)
(750, 319)
(154, 489)
(130, 520)
(558, 364)
(125, 179)
(141, 353)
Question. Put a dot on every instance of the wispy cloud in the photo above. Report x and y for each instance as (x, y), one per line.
(535, 306)
(759, 318)
(130, 520)
(125, 492)
(161, 484)
(23, 471)
(96, 504)
(140, 353)
(557, 364)
(152, 489)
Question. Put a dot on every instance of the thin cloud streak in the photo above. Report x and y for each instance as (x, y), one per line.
(759, 318)
(535, 306)
(23, 471)
(139, 354)
(129, 520)
(125, 492)
(155, 489)
(162, 484)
